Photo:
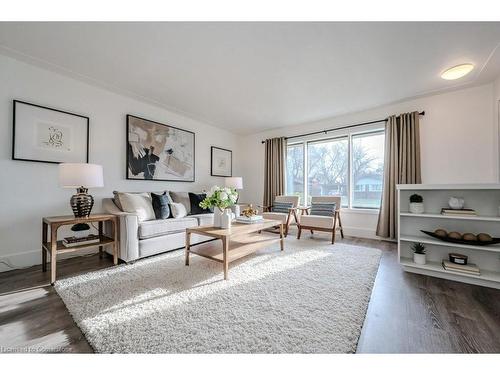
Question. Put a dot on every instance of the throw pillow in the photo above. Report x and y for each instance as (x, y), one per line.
(178, 210)
(139, 204)
(181, 197)
(323, 209)
(195, 200)
(161, 205)
(282, 207)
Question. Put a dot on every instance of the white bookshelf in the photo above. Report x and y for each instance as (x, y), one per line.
(484, 198)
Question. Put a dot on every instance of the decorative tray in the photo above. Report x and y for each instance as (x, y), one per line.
(460, 241)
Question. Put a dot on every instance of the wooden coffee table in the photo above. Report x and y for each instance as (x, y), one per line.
(238, 241)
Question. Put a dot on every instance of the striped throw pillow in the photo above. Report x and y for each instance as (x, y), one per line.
(323, 209)
(281, 207)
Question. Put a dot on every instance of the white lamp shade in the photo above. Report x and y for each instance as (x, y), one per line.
(74, 175)
(234, 182)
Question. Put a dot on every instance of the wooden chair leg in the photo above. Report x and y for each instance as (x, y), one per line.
(312, 231)
(299, 232)
(287, 225)
(334, 228)
(340, 226)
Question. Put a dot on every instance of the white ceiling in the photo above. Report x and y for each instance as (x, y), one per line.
(249, 77)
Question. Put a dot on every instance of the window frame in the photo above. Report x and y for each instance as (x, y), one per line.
(348, 134)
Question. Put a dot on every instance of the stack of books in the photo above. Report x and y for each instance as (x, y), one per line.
(462, 212)
(76, 241)
(466, 269)
(249, 220)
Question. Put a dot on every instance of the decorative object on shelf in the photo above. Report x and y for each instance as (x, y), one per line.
(462, 212)
(485, 240)
(80, 230)
(455, 235)
(219, 199)
(458, 258)
(469, 237)
(159, 152)
(456, 203)
(226, 219)
(49, 135)
(419, 253)
(81, 176)
(249, 211)
(416, 204)
(221, 162)
(79, 241)
(441, 233)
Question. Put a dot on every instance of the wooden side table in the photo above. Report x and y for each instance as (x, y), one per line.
(55, 247)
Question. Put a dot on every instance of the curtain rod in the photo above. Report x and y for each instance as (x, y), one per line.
(342, 127)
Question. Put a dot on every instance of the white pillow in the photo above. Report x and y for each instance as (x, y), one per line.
(178, 210)
(139, 204)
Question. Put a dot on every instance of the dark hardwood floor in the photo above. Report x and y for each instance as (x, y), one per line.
(407, 313)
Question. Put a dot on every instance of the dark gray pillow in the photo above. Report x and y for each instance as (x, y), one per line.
(282, 207)
(323, 209)
(160, 205)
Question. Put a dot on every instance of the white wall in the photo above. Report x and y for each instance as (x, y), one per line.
(459, 138)
(29, 191)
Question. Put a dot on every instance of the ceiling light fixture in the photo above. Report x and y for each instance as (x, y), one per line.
(457, 72)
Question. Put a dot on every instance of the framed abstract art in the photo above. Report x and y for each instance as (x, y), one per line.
(221, 161)
(159, 152)
(49, 135)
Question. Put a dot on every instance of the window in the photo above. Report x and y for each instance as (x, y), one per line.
(295, 170)
(367, 169)
(350, 166)
(327, 168)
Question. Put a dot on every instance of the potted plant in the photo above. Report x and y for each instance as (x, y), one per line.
(419, 253)
(220, 199)
(416, 204)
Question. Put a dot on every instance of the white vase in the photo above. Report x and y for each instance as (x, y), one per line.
(217, 217)
(226, 218)
(419, 258)
(456, 203)
(417, 208)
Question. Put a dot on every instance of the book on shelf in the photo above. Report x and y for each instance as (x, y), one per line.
(250, 219)
(469, 269)
(74, 241)
(462, 212)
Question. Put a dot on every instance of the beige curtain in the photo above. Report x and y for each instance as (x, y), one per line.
(274, 169)
(401, 166)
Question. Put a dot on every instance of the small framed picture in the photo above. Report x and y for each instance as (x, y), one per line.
(221, 161)
(48, 135)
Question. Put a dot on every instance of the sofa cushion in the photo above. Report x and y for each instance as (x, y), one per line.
(181, 197)
(155, 228)
(138, 204)
(204, 219)
(161, 205)
(177, 210)
(195, 200)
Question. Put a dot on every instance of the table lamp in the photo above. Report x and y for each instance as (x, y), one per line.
(234, 183)
(81, 176)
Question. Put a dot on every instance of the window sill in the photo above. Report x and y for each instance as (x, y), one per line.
(368, 211)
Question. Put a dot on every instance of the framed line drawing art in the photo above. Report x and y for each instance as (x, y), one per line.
(221, 162)
(159, 152)
(48, 135)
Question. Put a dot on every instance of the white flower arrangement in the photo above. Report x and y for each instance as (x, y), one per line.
(221, 197)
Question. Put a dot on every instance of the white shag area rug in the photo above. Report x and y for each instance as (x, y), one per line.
(311, 298)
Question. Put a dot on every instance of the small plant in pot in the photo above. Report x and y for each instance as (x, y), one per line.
(416, 204)
(419, 253)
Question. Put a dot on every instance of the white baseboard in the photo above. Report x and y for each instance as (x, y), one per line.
(32, 258)
(360, 232)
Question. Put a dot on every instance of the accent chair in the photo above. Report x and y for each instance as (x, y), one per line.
(322, 215)
(283, 209)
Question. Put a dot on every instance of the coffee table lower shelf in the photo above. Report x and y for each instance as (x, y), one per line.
(237, 242)
(237, 248)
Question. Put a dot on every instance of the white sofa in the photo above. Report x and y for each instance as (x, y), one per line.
(139, 239)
